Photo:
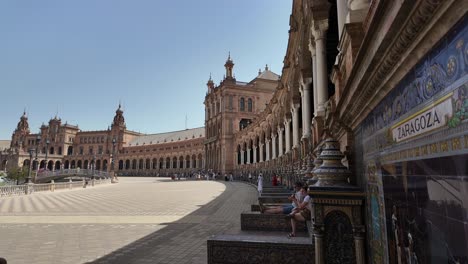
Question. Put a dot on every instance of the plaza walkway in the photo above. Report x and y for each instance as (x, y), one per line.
(139, 220)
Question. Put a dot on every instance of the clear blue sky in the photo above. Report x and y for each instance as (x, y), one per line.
(81, 57)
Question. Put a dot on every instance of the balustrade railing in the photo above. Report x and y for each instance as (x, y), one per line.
(64, 172)
(14, 190)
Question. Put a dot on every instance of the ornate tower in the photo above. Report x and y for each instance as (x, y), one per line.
(117, 129)
(210, 85)
(229, 65)
(22, 129)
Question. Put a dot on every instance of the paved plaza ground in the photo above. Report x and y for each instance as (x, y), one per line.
(139, 220)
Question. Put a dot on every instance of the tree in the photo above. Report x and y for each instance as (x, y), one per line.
(17, 174)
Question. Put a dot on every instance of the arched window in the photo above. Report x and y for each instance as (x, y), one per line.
(249, 105)
(242, 104)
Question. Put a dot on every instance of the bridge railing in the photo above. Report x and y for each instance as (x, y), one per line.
(65, 172)
(14, 190)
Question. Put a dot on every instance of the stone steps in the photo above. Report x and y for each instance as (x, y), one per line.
(256, 221)
(273, 200)
(260, 247)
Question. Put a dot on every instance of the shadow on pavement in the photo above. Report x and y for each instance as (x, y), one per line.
(184, 241)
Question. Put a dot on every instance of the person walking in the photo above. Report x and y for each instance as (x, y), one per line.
(260, 184)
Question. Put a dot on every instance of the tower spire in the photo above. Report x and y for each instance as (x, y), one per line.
(229, 65)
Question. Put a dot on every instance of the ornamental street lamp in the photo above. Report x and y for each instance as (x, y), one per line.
(112, 154)
(46, 152)
(28, 179)
(38, 140)
(93, 166)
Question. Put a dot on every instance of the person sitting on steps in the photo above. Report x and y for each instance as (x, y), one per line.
(302, 213)
(296, 198)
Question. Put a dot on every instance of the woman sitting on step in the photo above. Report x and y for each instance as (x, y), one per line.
(296, 198)
(302, 213)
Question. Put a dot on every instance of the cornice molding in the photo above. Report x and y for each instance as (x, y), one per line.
(415, 24)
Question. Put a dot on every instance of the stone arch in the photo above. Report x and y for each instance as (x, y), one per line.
(134, 164)
(104, 165)
(339, 239)
(57, 165)
(174, 162)
(200, 161)
(140, 164)
(148, 164)
(79, 164)
(85, 164)
(168, 163)
(70, 150)
(194, 161)
(121, 164)
(26, 163)
(127, 164)
(50, 165)
(72, 164)
(67, 164)
(98, 165)
(187, 161)
(155, 164)
(181, 162)
(161, 163)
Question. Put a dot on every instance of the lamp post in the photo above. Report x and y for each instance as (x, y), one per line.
(93, 166)
(112, 160)
(46, 152)
(38, 140)
(28, 179)
(112, 154)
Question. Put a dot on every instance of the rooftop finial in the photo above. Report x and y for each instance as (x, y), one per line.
(266, 67)
(259, 71)
(210, 77)
(229, 55)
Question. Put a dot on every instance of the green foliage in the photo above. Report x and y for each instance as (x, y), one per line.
(17, 174)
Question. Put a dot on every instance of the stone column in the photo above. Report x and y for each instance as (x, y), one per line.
(280, 140)
(295, 121)
(306, 112)
(273, 145)
(267, 143)
(248, 155)
(320, 31)
(318, 238)
(255, 154)
(314, 78)
(287, 127)
(359, 247)
(261, 152)
(242, 157)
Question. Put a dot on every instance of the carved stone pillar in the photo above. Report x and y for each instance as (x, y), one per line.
(242, 157)
(267, 143)
(359, 245)
(287, 127)
(280, 140)
(318, 239)
(306, 108)
(314, 74)
(320, 32)
(248, 156)
(273, 145)
(295, 121)
(255, 154)
(261, 152)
